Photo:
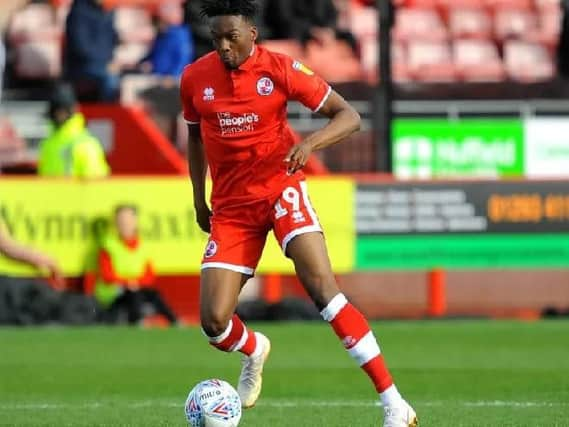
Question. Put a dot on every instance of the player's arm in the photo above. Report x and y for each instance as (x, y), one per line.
(344, 121)
(198, 170)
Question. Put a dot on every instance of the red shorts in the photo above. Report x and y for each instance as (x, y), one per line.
(237, 239)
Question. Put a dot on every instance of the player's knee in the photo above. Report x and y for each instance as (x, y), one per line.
(214, 323)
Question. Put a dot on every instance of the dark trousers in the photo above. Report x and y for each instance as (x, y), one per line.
(133, 303)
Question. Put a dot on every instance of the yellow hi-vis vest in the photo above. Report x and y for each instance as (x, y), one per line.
(127, 263)
(72, 151)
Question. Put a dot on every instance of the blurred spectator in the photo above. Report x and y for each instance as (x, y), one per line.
(69, 150)
(200, 28)
(126, 273)
(27, 301)
(17, 252)
(173, 47)
(306, 20)
(563, 46)
(90, 41)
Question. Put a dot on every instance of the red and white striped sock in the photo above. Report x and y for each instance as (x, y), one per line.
(236, 337)
(353, 330)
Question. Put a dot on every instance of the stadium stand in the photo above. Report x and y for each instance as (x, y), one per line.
(439, 26)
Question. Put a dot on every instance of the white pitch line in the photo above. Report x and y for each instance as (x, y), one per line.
(273, 403)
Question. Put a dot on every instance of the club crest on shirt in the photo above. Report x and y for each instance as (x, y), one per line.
(209, 94)
(299, 66)
(265, 86)
(211, 249)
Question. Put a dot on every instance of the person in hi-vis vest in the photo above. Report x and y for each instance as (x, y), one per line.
(126, 274)
(69, 150)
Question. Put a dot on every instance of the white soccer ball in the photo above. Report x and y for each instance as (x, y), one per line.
(213, 403)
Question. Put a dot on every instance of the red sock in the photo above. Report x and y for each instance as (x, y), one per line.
(237, 337)
(353, 330)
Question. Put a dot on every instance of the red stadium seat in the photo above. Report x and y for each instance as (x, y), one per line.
(509, 4)
(400, 63)
(38, 59)
(528, 62)
(134, 25)
(424, 4)
(334, 61)
(34, 22)
(431, 61)
(472, 23)
(12, 148)
(364, 22)
(461, 4)
(288, 47)
(549, 28)
(548, 4)
(514, 23)
(478, 60)
(423, 24)
(127, 55)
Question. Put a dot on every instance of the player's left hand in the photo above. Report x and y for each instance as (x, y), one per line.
(298, 156)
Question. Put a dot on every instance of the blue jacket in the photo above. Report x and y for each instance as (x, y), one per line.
(90, 39)
(172, 50)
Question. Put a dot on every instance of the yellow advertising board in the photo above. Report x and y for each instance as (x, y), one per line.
(57, 216)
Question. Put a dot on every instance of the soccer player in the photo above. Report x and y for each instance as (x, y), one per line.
(234, 101)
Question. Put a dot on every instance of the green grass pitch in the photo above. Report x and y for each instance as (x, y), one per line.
(455, 373)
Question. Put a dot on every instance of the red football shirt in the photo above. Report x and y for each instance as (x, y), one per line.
(243, 120)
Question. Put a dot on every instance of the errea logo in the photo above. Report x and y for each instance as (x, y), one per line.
(208, 94)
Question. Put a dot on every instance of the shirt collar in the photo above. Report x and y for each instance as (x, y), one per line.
(251, 60)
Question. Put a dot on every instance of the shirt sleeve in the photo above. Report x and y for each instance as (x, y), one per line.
(191, 115)
(305, 86)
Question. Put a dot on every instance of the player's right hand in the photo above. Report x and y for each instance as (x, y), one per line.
(203, 214)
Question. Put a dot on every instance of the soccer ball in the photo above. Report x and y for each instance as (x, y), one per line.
(213, 403)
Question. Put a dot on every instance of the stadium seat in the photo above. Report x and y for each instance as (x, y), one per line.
(38, 59)
(513, 23)
(34, 22)
(291, 48)
(461, 4)
(12, 148)
(509, 4)
(364, 22)
(423, 24)
(548, 4)
(134, 25)
(549, 28)
(133, 84)
(431, 61)
(399, 63)
(471, 23)
(128, 55)
(334, 61)
(478, 60)
(422, 4)
(528, 62)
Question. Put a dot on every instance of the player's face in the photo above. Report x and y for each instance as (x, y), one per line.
(233, 39)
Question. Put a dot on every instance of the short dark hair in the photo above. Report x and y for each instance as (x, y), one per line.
(126, 207)
(246, 8)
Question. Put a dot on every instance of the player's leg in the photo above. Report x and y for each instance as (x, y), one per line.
(218, 299)
(230, 260)
(312, 264)
(298, 231)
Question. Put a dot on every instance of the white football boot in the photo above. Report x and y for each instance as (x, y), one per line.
(251, 378)
(401, 415)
